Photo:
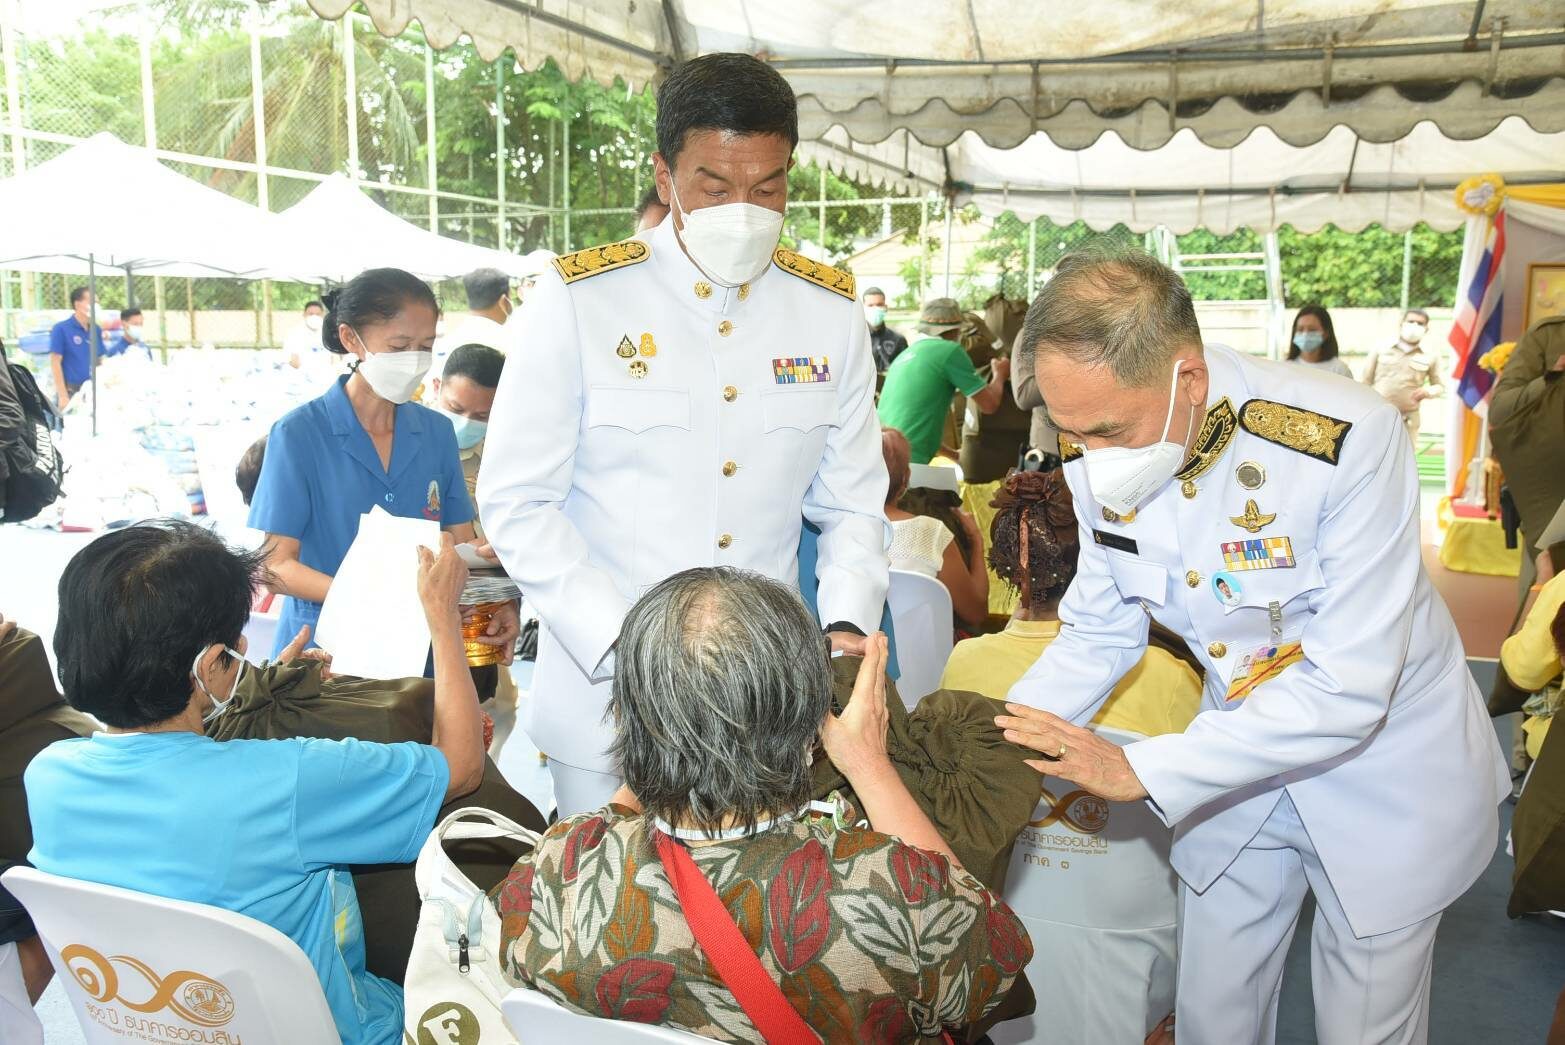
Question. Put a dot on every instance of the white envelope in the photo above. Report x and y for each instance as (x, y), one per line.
(372, 623)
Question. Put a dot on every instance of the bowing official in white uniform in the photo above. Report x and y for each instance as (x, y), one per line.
(687, 399)
(1270, 517)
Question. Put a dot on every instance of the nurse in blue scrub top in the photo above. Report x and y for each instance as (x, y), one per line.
(361, 444)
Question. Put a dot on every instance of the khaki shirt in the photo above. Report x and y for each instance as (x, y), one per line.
(1527, 423)
(1399, 370)
(471, 459)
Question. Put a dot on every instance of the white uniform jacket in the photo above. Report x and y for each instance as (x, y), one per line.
(649, 421)
(1375, 729)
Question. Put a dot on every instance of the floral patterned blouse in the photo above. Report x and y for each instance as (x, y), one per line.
(871, 940)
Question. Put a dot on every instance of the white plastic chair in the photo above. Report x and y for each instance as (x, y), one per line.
(535, 1017)
(130, 961)
(921, 615)
(1092, 882)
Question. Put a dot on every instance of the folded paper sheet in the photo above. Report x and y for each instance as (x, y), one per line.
(372, 622)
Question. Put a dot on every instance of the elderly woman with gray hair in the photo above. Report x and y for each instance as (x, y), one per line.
(872, 932)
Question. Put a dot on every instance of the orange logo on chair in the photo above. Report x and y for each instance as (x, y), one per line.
(1081, 811)
(189, 995)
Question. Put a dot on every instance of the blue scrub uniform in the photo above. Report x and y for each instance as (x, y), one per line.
(321, 473)
(71, 341)
(809, 536)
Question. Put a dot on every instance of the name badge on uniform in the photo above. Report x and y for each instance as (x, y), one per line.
(1265, 553)
(1118, 541)
(1261, 665)
(801, 370)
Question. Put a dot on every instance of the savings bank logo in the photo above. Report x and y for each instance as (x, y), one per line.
(189, 995)
(1081, 811)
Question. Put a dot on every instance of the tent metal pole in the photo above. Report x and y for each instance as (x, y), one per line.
(160, 303)
(92, 335)
(429, 137)
(130, 288)
(1407, 266)
(263, 197)
(821, 216)
(565, 179)
(949, 212)
(1032, 259)
(350, 90)
(923, 248)
(499, 156)
(1275, 307)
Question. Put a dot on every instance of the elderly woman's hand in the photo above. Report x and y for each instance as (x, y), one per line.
(855, 741)
(505, 627)
(440, 582)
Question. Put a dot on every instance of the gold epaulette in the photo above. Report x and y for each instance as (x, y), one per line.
(1314, 435)
(1068, 451)
(834, 280)
(593, 260)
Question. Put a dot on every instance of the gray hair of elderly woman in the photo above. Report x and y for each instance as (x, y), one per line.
(1122, 309)
(721, 682)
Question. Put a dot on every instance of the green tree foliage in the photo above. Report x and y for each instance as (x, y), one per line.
(1341, 269)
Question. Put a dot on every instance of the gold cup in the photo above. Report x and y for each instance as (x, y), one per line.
(480, 654)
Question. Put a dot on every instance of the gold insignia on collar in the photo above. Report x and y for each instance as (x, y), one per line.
(1311, 434)
(1216, 433)
(1069, 451)
(834, 280)
(593, 260)
(1253, 518)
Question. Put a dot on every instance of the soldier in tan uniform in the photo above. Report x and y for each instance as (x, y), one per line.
(1404, 373)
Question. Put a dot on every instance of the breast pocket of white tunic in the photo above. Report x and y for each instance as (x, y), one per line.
(638, 410)
(1139, 580)
(795, 423)
(1289, 588)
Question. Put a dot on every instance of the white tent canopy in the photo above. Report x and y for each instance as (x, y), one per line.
(1005, 71)
(340, 232)
(1263, 182)
(117, 205)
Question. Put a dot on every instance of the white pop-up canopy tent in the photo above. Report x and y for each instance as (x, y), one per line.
(1219, 113)
(107, 204)
(339, 232)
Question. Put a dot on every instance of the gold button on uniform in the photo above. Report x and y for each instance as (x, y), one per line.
(1217, 650)
(703, 289)
(730, 393)
(725, 328)
(729, 468)
(1193, 579)
(1187, 488)
(725, 540)
(1109, 515)
(744, 291)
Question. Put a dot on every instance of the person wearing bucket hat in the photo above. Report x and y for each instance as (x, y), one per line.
(923, 378)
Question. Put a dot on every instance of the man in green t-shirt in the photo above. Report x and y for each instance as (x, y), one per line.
(925, 375)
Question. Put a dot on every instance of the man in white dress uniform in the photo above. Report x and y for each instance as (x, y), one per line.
(1270, 517)
(687, 399)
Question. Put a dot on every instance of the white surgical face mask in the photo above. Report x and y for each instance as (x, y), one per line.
(731, 243)
(876, 314)
(218, 706)
(1123, 477)
(1309, 340)
(394, 375)
(469, 433)
(313, 324)
(1412, 331)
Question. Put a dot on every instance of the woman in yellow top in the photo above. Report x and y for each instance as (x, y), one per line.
(1531, 658)
(1033, 546)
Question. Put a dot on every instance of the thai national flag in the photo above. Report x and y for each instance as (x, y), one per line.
(1477, 326)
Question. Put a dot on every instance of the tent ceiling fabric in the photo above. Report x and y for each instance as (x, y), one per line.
(1262, 182)
(940, 68)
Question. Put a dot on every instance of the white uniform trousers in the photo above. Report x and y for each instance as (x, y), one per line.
(580, 790)
(1234, 939)
(18, 1022)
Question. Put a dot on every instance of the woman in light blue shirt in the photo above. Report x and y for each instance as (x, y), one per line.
(363, 444)
(149, 642)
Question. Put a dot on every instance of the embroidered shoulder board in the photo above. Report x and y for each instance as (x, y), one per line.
(1068, 451)
(1314, 435)
(590, 262)
(834, 280)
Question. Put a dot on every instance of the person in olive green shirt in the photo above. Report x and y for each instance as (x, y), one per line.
(924, 376)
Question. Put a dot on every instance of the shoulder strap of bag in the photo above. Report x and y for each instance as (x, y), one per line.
(736, 964)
